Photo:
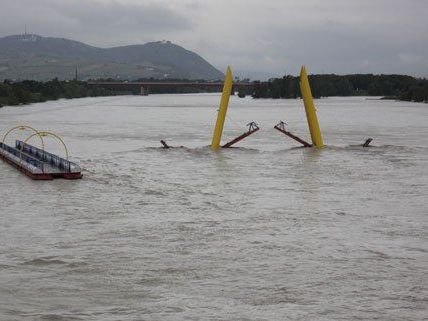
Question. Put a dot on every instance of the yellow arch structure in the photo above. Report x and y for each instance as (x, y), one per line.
(24, 127)
(44, 134)
(221, 116)
(311, 114)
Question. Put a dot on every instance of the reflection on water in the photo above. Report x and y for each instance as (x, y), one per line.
(266, 231)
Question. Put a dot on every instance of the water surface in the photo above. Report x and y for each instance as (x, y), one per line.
(266, 231)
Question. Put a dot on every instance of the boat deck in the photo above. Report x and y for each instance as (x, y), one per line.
(37, 163)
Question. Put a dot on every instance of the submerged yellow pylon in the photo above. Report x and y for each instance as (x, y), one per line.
(311, 114)
(221, 116)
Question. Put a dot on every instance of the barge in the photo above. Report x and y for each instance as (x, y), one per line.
(38, 164)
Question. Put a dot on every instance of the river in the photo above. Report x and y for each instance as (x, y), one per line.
(265, 231)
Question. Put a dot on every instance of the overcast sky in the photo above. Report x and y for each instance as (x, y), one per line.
(274, 36)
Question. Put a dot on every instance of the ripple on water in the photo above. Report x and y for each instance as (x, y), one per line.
(266, 231)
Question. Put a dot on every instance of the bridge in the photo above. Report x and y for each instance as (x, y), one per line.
(144, 86)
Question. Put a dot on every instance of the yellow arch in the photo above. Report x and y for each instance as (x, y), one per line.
(44, 134)
(24, 127)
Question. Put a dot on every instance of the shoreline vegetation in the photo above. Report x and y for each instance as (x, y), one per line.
(14, 93)
(31, 91)
(396, 87)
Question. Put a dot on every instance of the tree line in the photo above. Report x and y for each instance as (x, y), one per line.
(389, 86)
(31, 91)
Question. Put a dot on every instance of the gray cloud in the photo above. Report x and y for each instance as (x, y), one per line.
(102, 23)
(341, 36)
(119, 18)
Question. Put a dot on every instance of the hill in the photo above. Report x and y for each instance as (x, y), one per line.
(43, 58)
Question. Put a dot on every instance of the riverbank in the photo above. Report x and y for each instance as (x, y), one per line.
(399, 87)
(394, 87)
(14, 93)
(30, 91)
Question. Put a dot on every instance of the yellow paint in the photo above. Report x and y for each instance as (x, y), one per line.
(311, 114)
(24, 127)
(221, 116)
(44, 134)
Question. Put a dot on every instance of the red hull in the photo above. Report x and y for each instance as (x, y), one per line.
(42, 176)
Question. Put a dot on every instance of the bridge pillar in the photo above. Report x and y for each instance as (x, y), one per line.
(144, 91)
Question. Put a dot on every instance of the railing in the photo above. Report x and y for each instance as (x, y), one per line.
(26, 158)
(47, 157)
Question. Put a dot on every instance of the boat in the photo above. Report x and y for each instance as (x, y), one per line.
(37, 163)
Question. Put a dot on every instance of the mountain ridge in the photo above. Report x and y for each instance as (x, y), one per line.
(36, 57)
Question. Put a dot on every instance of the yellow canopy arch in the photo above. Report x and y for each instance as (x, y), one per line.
(24, 127)
(44, 134)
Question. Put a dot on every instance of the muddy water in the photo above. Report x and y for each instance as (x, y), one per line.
(266, 231)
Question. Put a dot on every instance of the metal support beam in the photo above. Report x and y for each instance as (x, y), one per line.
(281, 127)
(144, 91)
(310, 110)
(252, 128)
(221, 115)
(165, 145)
(367, 142)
